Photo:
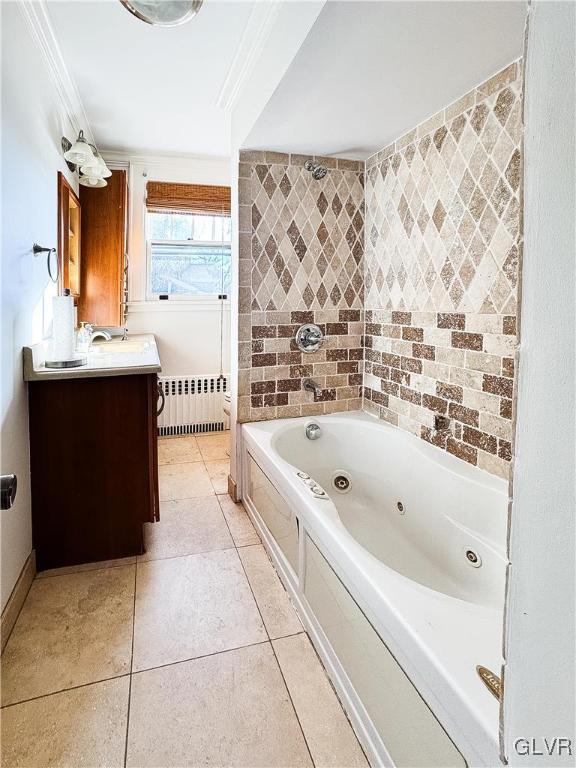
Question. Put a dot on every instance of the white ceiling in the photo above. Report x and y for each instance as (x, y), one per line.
(370, 71)
(150, 88)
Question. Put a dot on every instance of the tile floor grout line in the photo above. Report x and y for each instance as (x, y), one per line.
(202, 656)
(188, 498)
(186, 554)
(253, 596)
(208, 473)
(211, 483)
(86, 570)
(276, 657)
(292, 634)
(237, 546)
(131, 663)
(139, 558)
(292, 702)
(198, 461)
(64, 690)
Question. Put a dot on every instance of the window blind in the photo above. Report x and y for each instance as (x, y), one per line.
(200, 199)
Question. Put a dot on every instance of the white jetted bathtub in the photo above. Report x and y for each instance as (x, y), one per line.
(394, 554)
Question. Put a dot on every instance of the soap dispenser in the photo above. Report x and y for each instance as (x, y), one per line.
(83, 337)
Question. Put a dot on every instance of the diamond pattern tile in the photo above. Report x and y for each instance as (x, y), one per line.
(442, 214)
(322, 253)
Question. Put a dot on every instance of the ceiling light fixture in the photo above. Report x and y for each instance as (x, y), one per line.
(85, 158)
(163, 13)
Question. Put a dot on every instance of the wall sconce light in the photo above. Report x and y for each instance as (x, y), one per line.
(85, 158)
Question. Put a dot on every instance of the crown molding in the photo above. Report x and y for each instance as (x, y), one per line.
(158, 158)
(37, 19)
(256, 32)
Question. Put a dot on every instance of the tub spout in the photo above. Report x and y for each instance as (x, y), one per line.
(310, 386)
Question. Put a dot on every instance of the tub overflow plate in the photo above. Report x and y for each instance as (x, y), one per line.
(473, 557)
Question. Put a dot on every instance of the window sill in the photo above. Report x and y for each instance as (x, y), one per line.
(177, 305)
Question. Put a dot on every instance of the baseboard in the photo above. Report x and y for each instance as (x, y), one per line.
(232, 489)
(16, 599)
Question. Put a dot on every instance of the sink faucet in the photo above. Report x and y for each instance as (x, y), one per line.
(310, 386)
(97, 334)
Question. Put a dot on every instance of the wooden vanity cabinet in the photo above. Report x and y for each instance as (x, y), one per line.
(104, 238)
(94, 467)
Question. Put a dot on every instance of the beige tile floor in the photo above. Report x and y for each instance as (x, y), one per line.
(190, 655)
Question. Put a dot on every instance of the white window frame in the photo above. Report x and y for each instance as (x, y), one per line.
(183, 297)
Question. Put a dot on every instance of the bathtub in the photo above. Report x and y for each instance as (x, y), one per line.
(393, 552)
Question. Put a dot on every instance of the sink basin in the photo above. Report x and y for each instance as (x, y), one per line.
(127, 347)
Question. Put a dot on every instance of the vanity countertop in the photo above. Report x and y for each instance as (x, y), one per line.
(136, 354)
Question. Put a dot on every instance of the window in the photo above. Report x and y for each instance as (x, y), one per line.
(189, 254)
(186, 226)
(189, 268)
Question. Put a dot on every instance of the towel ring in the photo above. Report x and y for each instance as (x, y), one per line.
(38, 249)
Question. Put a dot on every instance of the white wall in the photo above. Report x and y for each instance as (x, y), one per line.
(288, 25)
(33, 123)
(188, 333)
(188, 337)
(540, 638)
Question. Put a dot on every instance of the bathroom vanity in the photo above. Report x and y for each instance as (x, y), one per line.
(93, 452)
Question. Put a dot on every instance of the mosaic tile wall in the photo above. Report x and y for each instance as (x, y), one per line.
(442, 252)
(301, 260)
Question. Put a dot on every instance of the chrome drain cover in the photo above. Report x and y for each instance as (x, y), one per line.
(341, 481)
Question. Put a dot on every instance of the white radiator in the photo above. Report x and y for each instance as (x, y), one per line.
(192, 404)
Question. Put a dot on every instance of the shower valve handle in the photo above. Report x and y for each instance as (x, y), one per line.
(309, 337)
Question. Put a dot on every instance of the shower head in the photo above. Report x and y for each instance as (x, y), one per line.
(318, 171)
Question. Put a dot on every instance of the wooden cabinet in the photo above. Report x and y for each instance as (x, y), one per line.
(94, 467)
(69, 238)
(104, 233)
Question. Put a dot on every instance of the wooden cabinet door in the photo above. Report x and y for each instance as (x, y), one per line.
(94, 467)
(104, 215)
(153, 410)
(69, 233)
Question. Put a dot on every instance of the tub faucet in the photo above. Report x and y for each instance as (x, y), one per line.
(310, 386)
(313, 431)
